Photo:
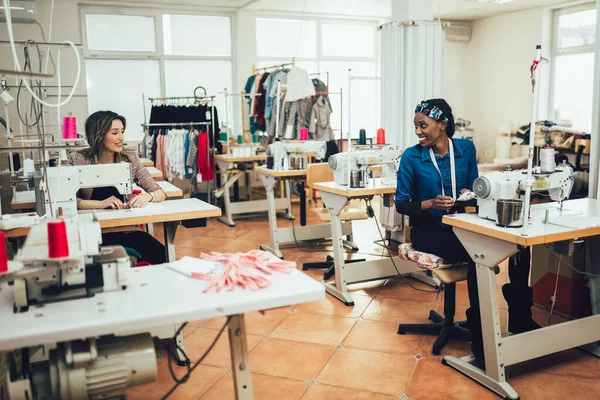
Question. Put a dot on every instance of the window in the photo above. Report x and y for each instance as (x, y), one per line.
(154, 54)
(573, 66)
(321, 46)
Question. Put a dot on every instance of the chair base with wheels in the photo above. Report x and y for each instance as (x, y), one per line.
(329, 264)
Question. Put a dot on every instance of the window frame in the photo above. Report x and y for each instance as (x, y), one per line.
(564, 51)
(159, 54)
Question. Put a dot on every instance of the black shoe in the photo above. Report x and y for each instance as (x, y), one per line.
(520, 301)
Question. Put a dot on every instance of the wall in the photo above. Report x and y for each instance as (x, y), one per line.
(455, 58)
(497, 86)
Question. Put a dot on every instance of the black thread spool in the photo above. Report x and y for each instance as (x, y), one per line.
(362, 137)
(270, 162)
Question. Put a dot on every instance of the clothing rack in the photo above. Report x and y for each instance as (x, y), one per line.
(263, 69)
(197, 100)
(319, 74)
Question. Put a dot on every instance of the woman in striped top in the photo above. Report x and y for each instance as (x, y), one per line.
(105, 133)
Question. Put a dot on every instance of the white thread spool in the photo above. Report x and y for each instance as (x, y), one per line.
(28, 167)
(547, 159)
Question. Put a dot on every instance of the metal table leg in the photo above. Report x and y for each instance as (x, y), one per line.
(273, 247)
(302, 193)
(169, 229)
(240, 366)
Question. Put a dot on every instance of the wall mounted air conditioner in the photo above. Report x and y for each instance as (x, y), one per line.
(21, 11)
(458, 32)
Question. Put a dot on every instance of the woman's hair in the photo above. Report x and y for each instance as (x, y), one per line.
(97, 126)
(442, 105)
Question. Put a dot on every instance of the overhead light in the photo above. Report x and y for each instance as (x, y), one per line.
(495, 1)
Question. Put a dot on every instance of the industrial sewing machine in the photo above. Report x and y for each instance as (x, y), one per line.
(287, 153)
(502, 185)
(65, 181)
(75, 369)
(87, 269)
(362, 159)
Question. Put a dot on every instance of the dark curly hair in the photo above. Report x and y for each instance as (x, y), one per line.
(447, 110)
(97, 126)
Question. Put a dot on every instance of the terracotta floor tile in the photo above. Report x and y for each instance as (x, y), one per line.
(382, 337)
(462, 296)
(434, 381)
(324, 392)
(199, 342)
(555, 387)
(332, 306)
(572, 362)
(314, 328)
(368, 370)
(540, 315)
(288, 359)
(204, 244)
(257, 323)
(202, 379)
(234, 246)
(367, 288)
(399, 289)
(264, 388)
(454, 347)
(399, 311)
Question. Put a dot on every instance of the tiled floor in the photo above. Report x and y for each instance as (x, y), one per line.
(327, 351)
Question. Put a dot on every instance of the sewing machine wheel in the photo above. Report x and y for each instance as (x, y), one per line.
(20, 289)
(482, 187)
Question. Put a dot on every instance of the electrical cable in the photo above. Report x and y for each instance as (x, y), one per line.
(553, 298)
(570, 266)
(392, 258)
(186, 377)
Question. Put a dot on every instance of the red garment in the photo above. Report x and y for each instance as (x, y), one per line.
(260, 103)
(205, 164)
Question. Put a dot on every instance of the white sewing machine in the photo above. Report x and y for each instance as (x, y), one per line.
(280, 150)
(387, 157)
(65, 181)
(88, 269)
(75, 369)
(498, 185)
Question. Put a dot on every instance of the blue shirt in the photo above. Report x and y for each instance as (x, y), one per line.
(418, 180)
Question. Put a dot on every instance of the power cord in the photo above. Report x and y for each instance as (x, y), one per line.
(392, 258)
(569, 265)
(186, 377)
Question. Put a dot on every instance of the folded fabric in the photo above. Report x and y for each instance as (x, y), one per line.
(424, 260)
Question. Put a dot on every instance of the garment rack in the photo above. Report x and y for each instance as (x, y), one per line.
(278, 66)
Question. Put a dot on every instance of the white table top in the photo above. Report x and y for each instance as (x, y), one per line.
(169, 189)
(291, 173)
(374, 187)
(157, 296)
(155, 172)
(231, 159)
(578, 218)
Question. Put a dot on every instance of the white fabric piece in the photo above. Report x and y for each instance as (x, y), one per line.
(299, 85)
(176, 153)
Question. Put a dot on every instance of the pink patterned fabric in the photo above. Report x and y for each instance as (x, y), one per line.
(424, 260)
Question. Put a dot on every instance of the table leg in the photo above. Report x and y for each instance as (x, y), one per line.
(273, 247)
(236, 191)
(240, 360)
(288, 192)
(169, 229)
(227, 219)
(335, 204)
(302, 193)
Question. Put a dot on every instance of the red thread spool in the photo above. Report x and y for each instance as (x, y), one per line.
(3, 256)
(380, 136)
(303, 133)
(69, 128)
(137, 191)
(58, 245)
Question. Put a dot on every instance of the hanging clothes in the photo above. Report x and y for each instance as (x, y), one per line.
(259, 104)
(191, 164)
(322, 90)
(295, 115)
(320, 121)
(205, 160)
(299, 85)
(176, 154)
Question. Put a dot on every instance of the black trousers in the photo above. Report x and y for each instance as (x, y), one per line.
(151, 249)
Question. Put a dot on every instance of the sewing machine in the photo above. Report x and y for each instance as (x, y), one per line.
(360, 159)
(87, 269)
(280, 151)
(64, 182)
(498, 185)
(80, 368)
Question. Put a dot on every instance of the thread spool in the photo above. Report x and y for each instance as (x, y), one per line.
(223, 136)
(240, 139)
(303, 133)
(58, 245)
(254, 138)
(135, 192)
(69, 131)
(380, 136)
(28, 166)
(547, 159)
(3, 255)
(362, 137)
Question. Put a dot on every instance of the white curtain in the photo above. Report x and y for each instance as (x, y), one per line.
(594, 187)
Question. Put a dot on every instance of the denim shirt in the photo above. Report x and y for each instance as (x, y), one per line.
(418, 180)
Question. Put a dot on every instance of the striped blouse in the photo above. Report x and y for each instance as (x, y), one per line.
(139, 173)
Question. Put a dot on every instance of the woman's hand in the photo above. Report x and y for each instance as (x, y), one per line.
(139, 201)
(112, 202)
(443, 203)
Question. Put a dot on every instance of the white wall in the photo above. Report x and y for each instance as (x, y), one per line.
(455, 57)
(497, 86)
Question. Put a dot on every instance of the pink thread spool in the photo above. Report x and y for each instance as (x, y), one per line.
(380, 136)
(303, 133)
(58, 245)
(69, 131)
(3, 256)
